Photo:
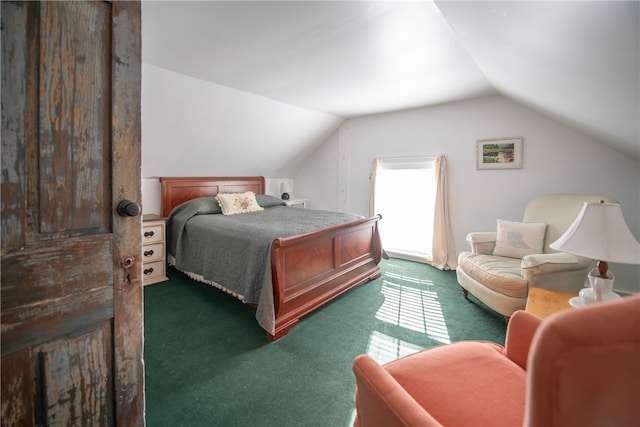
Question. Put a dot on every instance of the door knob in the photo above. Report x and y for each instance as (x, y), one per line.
(128, 208)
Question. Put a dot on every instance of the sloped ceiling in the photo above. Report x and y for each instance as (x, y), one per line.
(575, 61)
(578, 62)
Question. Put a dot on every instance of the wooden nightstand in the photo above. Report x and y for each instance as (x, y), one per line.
(296, 203)
(154, 262)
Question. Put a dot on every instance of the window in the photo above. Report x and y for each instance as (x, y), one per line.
(405, 192)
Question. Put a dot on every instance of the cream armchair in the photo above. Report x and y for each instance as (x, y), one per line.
(505, 263)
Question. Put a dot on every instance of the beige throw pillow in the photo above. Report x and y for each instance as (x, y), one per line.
(237, 203)
(517, 239)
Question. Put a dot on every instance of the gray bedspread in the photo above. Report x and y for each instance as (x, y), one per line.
(234, 250)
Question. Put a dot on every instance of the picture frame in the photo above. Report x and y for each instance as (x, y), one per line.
(501, 153)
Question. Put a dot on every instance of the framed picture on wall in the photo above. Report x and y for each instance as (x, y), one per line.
(503, 153)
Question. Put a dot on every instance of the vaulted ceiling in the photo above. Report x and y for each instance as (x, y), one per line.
(577, 62)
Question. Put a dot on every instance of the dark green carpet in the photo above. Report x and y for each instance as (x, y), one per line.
(208, 363)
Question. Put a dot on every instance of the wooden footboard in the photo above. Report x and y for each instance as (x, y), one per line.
(312, 269)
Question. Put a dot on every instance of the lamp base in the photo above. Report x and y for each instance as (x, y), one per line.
(601, 287)
(285, 196)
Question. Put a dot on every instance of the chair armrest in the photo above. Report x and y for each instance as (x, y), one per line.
(482, 242)
(557, 270)
(563, 261)
(381, 401)
(522, 327)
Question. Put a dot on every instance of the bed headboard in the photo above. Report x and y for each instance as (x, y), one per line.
(179, 190)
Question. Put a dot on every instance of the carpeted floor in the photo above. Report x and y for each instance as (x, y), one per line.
(208, 363)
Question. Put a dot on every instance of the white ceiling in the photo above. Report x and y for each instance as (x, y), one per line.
(578, 62)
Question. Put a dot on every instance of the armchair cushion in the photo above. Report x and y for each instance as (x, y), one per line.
(500, 274)
(457, 375)
(517, 239)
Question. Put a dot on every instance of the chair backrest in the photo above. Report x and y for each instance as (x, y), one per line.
(558, 210)
(584, 367)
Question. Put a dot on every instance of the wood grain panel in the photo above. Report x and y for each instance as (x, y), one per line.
(302, 263)
(75, 381)
(17, 394)
(38, 323)
(127, 140)
(81, 264)
(183, 193)
(355, 244)
(15, 114)
(74, 106)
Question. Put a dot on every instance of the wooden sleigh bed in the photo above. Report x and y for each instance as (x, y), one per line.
(307, 270)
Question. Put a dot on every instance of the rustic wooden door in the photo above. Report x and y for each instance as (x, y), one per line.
(71, 281)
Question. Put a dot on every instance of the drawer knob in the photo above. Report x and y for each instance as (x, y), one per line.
(149, 233)
(148, 271)
(148, 253)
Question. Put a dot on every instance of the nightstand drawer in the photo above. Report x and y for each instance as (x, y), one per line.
(153, 270)
(153, 252)
(152, 233)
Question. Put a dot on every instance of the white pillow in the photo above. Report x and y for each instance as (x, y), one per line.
(237, 203)
(517, 239)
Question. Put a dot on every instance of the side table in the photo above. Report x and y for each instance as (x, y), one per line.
(544, 302)
(296, 203)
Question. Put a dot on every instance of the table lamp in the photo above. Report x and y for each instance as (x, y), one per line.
(600, 232)
(285, 189)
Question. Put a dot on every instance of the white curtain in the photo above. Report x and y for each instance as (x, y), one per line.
(444, 251)
(372, 186)
(375, 166)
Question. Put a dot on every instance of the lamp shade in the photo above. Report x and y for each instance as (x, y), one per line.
(600, 232)
(285, 187)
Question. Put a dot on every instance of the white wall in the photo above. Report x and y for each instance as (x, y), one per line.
(317, 180)
(556, 159)
(191, 127)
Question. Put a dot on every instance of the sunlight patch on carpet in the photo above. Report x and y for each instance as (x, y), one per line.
(384, 348)
(413, 306)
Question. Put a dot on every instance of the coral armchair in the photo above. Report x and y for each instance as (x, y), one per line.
(576, 368)
(505, 263)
